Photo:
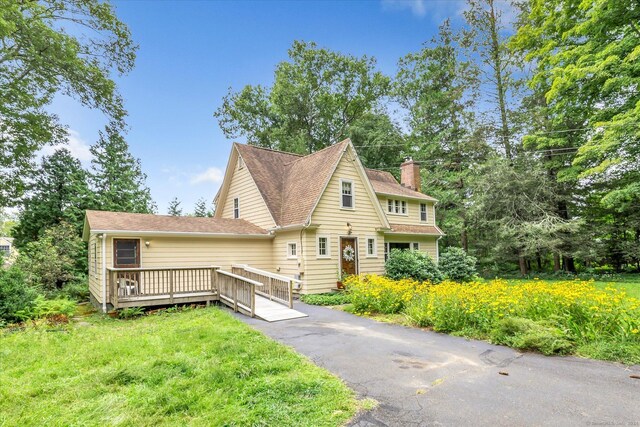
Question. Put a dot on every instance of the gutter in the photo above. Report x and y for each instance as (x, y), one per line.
(184, 234)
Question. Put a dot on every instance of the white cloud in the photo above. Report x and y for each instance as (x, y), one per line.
(214, 175)
(417, 7)
(75, 144)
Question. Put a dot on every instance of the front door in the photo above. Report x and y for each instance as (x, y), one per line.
(348, 256)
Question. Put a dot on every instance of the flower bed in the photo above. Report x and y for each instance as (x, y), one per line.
(553, 317)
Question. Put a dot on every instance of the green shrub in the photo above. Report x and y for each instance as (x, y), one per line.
(527, 334)
(414, 265)
(51, 307)
(333, 298)
(131, 312)
(15, 295)
(76, 290)
(455, 264)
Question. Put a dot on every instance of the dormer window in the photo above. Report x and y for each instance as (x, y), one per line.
(397, 207)
(346, 199)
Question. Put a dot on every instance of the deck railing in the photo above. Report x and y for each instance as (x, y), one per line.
(237, 292)
(139, 284)
(276, 287)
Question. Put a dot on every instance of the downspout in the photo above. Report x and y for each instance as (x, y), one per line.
(104, 273)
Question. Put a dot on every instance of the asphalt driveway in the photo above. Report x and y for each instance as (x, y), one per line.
(425, 378)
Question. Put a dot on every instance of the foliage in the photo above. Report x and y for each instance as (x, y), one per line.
(49, 48)
(15, 295)
(378, 141)
(455, 264)
(164, 371)
(174, 208)
(60, 192)
(77, 289)
(314, 99)
(332, 298)
(412, 264)
(201, 209)
(527, 334)
(45, 308)
(57, 258)
(377, 294)
(130, 312)
(116, 176)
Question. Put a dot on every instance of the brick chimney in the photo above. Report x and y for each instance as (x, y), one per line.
(410, 174)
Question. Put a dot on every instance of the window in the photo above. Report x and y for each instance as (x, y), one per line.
(423, 212)
(397, 207)
(126, 253)
(5, 250)
(236, 208)
(292, 250)
(372, 249)
(240, 163)
(347, 194)
(415, 246)
(323, 247)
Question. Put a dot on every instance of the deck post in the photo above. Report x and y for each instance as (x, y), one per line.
(253, 301)
(270, 289)
(113, 288)
(171, 286)
(235, 294)
(290, 293)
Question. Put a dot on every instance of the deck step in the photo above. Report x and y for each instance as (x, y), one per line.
(272, 311)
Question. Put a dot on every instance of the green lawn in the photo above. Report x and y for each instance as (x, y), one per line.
(198, 367)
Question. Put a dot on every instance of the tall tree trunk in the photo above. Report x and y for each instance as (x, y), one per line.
(556, 262)
(464, 242)
(499, 80)
(539, 260)
(523, 265)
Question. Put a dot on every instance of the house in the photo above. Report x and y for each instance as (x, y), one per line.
(6, 245)
(311, 219)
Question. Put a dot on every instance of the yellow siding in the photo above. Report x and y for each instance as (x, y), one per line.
(320, 275)
(198, 252)
(413, 211)
(252, 205)
(281, 263)
(95, 267)
(428, 244)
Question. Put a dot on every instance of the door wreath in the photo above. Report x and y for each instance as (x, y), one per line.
(348, 253)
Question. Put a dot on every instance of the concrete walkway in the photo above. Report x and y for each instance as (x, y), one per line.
(424, 378)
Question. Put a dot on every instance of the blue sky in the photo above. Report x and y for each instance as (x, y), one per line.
(191, 52)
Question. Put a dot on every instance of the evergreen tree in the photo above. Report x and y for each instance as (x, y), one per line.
(174, 207)
(60, 192)
(117, 177)
(201, 209)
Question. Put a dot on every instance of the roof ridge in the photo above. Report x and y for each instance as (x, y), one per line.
(306, 156)
(270, 149)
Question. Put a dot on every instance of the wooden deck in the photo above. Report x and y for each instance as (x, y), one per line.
(253, 292)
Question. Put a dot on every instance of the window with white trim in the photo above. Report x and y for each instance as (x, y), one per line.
(292, 250)
(423, 212)
(397, 207)
(240, 162)
(236, 208)
(323, 247)
(346, 191)
(372, 249)
(415, 246)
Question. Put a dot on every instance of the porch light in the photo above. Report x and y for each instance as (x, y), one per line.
(147, 243)
(349, 228)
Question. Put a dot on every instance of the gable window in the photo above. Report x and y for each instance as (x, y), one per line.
(292, 250)
(397, 207)
(372, 250)
(423, 212)
(5, 250)
(346, 188)
(236, 208)
(323, 247)
(126, 253)
(240, 163)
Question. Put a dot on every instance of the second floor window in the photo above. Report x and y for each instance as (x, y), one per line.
(236, 208)
(397, 206)
(423, 212)
(347, 194)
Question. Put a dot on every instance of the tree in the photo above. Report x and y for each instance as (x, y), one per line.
(437, 89)
(51, 47)
(60, 192)
(487, 39)
(585, 57)
(7, 222)
(379, 142)
(315, 97)
(201, 209)
(174, 207)
(117, 177)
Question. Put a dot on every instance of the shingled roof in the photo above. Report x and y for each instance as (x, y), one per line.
(431, 230)
(286, 179)
(135, 222)
(385, 183)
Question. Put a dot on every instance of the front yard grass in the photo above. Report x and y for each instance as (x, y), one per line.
(195, 367)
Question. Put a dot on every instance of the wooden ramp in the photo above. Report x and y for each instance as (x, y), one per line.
(272, 311)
